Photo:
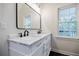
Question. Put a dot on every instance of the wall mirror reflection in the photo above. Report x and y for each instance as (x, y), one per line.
(27, 17)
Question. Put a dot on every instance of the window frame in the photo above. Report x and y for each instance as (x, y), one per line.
(68, 6)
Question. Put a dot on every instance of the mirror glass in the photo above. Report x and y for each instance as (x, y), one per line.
(27, 17)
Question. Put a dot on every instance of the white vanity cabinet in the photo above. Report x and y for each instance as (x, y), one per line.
(41, 47)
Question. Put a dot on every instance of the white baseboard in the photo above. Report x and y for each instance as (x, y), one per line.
(65, 52)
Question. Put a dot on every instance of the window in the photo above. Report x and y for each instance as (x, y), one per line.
(67, 25)
(27, 22)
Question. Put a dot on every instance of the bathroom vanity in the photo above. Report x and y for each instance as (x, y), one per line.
(33, 45)
(27, 17)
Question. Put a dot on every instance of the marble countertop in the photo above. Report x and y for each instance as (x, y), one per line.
(29, 40)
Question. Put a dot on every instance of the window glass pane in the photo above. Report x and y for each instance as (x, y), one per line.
(67, 21)
(72, 26)
(73, 19)
(72, 10)
(27, 22)
(61, 19)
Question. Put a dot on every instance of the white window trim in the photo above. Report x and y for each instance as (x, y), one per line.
(67, 37)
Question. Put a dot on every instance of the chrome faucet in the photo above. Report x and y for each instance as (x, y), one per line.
(25, 33)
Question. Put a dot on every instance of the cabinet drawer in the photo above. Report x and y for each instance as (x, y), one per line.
(20, 47)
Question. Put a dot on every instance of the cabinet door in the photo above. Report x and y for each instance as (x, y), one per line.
(20, 48)
(47, 45)
(38, 51)
(14, 53)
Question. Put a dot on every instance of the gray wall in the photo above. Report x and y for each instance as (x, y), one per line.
(8, 18)
(49, 12)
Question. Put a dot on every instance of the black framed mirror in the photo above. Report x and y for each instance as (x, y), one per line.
(27, 17)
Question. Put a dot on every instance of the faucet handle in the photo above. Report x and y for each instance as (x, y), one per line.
(27, 33)
(20, 34)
